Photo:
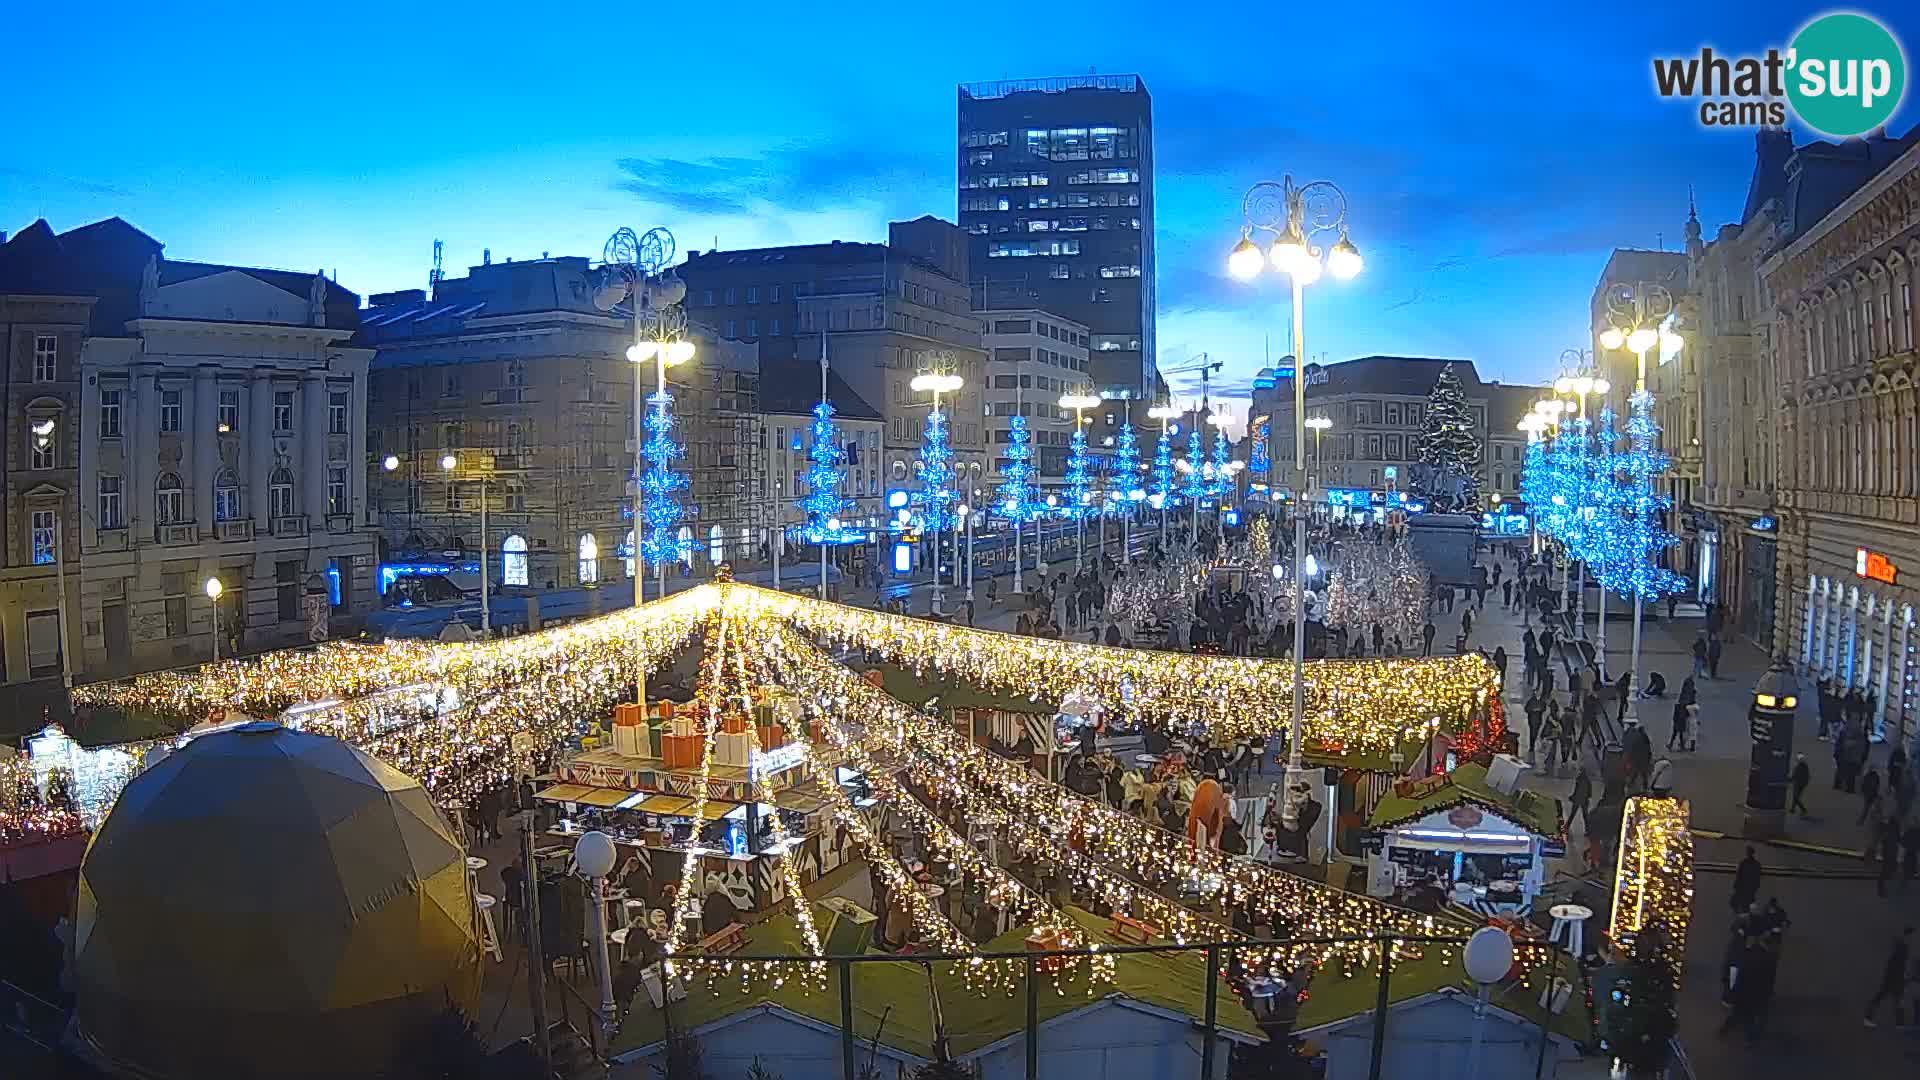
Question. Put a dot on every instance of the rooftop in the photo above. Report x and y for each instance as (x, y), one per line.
(978, 91)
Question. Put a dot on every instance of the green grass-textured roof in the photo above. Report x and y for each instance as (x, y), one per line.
(1175, 981)
(1468, 784)
(903, 685)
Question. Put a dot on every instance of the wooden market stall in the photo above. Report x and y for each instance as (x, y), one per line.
(1459, 838)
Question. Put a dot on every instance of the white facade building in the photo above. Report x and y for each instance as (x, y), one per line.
(1033, 357)
(222, 433)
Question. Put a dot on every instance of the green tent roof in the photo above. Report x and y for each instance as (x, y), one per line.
(917, 690)
(1175, 981)
(1468, 784)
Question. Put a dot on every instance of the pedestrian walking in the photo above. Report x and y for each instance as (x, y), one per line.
(1909, 854)
(1577, 803)
(1713, 657)
(1893, 978)
(1869, 794)
(1886, 840)
(1426, 638)
(1746, 882)
(1535, 710)
(1500, 663)
(1699, 653)
(1506, 595)
(1466, 623)
(1802, 776)
(1677, 738)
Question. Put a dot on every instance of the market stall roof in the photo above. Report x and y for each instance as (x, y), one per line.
(898, 992)
(1468, 784)
(1370, 760)
(903, 685)
(563, 793)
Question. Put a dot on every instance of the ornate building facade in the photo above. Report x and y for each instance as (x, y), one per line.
(1840, 296)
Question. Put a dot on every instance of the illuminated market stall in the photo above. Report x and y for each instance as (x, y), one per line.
(1464, 839)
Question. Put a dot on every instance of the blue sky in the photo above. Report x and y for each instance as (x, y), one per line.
(1491, 159)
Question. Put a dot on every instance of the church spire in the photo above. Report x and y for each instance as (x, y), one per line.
(1694, 244)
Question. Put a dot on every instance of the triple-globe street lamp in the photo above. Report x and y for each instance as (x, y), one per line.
(1294, 216)
(937, 383)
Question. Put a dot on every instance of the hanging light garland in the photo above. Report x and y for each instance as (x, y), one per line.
(1653, 882)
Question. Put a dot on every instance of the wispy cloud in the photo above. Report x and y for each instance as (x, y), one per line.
(53, 181)
(799, 177)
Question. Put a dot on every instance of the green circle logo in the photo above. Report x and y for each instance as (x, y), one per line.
(1846, 74)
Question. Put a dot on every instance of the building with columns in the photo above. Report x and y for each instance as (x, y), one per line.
(1839, 294)
(214, 432)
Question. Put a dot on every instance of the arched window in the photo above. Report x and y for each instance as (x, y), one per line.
(513, 560)
(280, 494)
(589, 559)
(226, 497)
(627, 552)
(168, 499)
(686, 546)
(716, 546)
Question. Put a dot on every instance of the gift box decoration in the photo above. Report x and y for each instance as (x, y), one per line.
(731, 749)
(773, 736)
(681, 751)
(734, 724)
(683, 726)
(654, 733)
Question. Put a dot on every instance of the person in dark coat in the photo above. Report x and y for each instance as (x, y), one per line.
(1639, 754)
(1535, 709)
(1802, 776)
(1893, 978)
(1677, 739)
(1746, 882)
(1426, 638)
(1577, 803)
(1869, 793)
(1500, 662)
(1887, 840)
(1714, 648)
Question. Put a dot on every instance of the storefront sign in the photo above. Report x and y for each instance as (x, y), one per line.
(779, 759)
(1874, 566)
(1764, 524)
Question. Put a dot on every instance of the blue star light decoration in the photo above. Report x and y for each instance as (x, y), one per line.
(1162, 492)
(938, 500)
(826, 468)
(1017, 499)
(1079, 475)
(660, 485)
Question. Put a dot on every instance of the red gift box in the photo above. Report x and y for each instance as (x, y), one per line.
(734, 724)
(680, 751)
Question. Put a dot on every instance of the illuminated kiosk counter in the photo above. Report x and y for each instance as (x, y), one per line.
(1455, 839)
(649, 809)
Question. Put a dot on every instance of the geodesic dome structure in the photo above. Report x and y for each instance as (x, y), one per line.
(265, 902)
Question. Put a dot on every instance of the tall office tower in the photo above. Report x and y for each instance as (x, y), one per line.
(1056, 198)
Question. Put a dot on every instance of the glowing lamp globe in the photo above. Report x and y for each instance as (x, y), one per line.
(642, 351)
(1289, 253)
(1344, 261)
(1612, 338)
(679, 352)
(1643, 339)
(391, 463)
(1245, 259)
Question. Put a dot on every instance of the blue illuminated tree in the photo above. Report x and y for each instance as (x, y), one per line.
(937, 497)
(1195, 490)
(1018, 498)
(1079, 475)
(1163, 491)
(1604, 498)
(660, 485)
(1644, 538)
(827, 467)
(1220, 483)
(1126, 466)
(1534, 483)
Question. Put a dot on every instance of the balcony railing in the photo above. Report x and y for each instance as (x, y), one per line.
(235, 529)
(175, 533)
(291, 525)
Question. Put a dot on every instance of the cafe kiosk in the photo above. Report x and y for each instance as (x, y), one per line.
(1469, 838)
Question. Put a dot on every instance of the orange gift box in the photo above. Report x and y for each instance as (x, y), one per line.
(627, 714)
(680, 751)
(773, 735)
(734, 724)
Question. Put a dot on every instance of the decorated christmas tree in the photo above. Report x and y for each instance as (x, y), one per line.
(937, 497)
(1637, 1018)
(1448, 450)
(1163, 492)
(1220, 483)
(827, 465)
(1079, 476)
(1260, 542)
(1195, 489)
(1635, 569)
(660, 485)
(1126, 467)
(1018, 499)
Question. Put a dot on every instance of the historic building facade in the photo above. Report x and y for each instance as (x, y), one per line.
(1840, 296)
(517, 374)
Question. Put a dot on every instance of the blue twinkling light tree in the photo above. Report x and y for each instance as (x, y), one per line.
(1643, 537)
(1018, 499)
(1220, 484)
(1258, 461)
(1195, 489)
(660, 485)
(1533, 482)
(826, 468)
(1163, 490)
(937, 497)
(1605, 497)
(1126, 465)
(1079, 476)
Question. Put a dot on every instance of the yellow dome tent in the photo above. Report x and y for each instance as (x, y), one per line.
(266, 902)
